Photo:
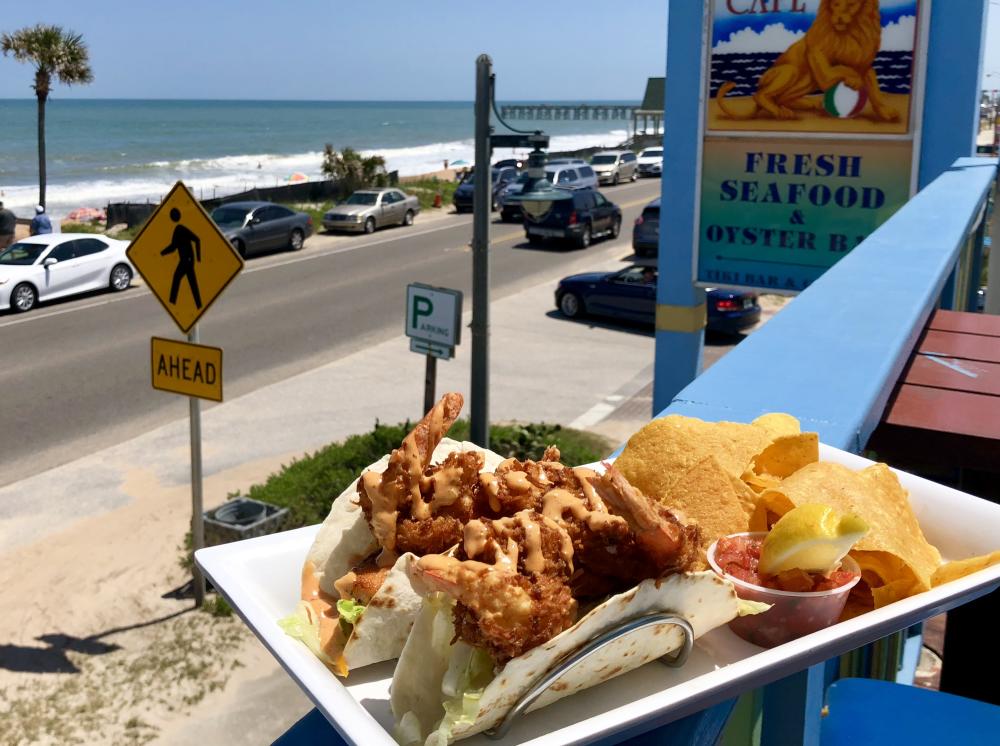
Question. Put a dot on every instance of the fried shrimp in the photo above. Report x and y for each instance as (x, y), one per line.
(400, 489)
(516, 594)
(668, 544)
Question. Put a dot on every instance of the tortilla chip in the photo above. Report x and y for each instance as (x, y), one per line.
(895, 559)
(778, 424)
(719, 503)
(960, 568)
(759, 482)
(660, 453)
(787, 454)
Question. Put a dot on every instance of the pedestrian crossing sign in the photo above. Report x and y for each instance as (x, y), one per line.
(183, 257)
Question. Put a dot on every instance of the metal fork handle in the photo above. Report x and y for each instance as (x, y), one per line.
(585, 651)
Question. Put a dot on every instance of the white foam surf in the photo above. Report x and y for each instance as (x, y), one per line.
(216, 177)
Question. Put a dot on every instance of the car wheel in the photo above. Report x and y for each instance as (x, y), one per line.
(493, 205)
(634, 176)
(408, 218)
(241, 248)
(571, 305)
(370, 225)
(614, 179)
(23, 298)
(616, 228)
(584, 240)
(297, 240)
(121, 277)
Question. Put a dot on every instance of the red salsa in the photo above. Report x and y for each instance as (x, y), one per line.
(739, 556)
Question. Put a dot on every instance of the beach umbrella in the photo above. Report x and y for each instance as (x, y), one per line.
(297, 178)
(459, 163)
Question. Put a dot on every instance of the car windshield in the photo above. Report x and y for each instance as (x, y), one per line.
(652, 154)
(21, 253)
(362, 198)
(599, 159)
(226, 216)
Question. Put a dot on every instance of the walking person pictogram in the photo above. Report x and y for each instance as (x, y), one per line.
(188, 248)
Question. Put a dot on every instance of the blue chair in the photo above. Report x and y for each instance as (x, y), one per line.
(863, 711)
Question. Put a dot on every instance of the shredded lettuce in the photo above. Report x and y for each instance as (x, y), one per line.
(350, 611)
(303, 625)
(749, 608)
(470, 670)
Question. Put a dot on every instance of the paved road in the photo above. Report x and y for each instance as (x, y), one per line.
(75, 376)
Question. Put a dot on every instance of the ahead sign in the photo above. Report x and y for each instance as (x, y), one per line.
(434, 314)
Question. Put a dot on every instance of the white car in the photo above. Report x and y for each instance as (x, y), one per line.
(651, 162)
(54, 265)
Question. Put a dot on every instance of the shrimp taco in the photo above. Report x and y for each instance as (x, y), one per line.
(357, 604)
(584, 554)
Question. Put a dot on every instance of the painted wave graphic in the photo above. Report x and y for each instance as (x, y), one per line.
(894, 70)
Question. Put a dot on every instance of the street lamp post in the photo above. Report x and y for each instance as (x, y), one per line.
(479, 419)
(482, 199)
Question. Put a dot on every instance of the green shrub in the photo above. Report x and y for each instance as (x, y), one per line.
(308, 486)
(425, 189)
(81, 228)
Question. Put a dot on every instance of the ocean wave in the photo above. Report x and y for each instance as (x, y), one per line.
(208, 177)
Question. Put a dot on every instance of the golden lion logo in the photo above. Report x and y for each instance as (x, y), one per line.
(839, 47)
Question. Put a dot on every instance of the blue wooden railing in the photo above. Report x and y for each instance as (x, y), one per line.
(832, 358)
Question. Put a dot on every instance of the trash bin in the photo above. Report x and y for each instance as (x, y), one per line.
(242, 518)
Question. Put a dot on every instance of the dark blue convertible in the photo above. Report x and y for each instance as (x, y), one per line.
(630, 294)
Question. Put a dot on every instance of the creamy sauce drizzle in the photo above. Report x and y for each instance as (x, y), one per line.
(556, 502)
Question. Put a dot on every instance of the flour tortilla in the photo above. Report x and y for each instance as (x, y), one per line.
(703, 598)
(345, 540)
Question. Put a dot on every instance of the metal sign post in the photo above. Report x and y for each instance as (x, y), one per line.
(186, 263)
(197, 517)
(479, 420)
(434, 326)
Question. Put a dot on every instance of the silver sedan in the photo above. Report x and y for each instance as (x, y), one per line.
(368, 209)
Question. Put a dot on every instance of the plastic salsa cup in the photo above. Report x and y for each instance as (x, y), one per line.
(792, 615)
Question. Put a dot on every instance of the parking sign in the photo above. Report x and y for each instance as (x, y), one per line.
(433, 314)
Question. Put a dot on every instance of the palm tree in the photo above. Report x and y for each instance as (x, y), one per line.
(55, 53)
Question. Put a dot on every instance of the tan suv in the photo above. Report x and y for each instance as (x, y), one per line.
(612, 166)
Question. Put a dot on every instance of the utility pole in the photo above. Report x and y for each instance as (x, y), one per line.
(479, 424)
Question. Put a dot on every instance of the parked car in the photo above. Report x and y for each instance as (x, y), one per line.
(584, 217)
(463, 193)
(252, 227)
(646, 231)
(573, 174)
(368, 209)
(650, 162)
(613, 166)
(54, 265)
(630, 294)
(509, 163)
(565, 162)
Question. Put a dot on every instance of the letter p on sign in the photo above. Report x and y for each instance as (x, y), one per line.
(422, 306)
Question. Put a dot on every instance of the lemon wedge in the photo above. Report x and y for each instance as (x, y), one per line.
(814, 538)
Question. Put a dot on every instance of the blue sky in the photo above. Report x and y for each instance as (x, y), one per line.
(367, 49)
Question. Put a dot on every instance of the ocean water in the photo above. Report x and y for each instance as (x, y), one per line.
(116, 150)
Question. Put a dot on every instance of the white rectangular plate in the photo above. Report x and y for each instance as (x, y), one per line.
(261, 577)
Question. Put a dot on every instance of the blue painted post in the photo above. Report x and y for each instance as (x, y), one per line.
(951, 94)
(680, 312)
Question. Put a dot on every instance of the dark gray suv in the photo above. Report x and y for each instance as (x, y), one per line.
(646, 231)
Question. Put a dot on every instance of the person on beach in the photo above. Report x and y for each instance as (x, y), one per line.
(188, 248)
(40, 223)
(8, 225)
